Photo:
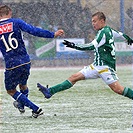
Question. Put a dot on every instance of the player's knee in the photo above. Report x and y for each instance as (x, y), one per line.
(22, 87)
(73, 79)
(11, 92)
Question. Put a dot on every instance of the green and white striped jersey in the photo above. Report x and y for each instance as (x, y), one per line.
(103, 46)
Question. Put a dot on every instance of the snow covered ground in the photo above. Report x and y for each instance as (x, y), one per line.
(88, 107)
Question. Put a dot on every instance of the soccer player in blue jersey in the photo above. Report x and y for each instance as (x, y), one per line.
(17, 61)
(104, 64)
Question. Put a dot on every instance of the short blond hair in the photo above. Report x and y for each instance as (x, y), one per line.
(100, 15)
(4, 10)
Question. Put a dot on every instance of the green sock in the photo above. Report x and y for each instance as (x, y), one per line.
(128, 93)
(60, 87)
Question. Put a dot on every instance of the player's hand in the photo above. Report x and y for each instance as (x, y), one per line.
(69, 44)
(130, 41)
(59, 33)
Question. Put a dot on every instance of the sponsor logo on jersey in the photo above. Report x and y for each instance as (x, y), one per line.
(5, 28)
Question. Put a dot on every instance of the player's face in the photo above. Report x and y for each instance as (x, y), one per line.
(97, 23)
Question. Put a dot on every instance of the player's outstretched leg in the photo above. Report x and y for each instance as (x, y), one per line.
(48, 92)
(44, 90)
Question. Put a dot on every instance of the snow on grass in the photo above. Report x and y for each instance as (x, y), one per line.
(88, 107)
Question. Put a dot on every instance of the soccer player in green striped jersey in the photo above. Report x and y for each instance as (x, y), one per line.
(104, 64)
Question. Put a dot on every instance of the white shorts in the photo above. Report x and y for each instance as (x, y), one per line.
(93, 72)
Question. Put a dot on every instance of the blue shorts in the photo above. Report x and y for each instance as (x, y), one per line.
(17, 76)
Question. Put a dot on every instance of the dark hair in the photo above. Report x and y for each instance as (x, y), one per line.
(4, 10)
(100, 15)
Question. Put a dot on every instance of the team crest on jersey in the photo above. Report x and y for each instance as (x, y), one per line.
(5, 28)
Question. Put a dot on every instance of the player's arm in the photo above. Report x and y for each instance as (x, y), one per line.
(38, 31)
(99, 40)
(84, 47)
(118, 34)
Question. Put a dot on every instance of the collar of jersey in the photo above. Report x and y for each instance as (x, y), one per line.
(4, 19)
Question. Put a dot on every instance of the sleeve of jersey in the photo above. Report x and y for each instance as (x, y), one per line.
(120, 35)
(89, 46)
(35, 31)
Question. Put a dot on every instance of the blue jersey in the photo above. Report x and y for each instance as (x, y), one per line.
(12, 44)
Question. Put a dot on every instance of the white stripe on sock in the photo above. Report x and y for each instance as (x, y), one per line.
(18, 96)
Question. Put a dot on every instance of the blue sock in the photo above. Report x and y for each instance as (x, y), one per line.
(25, 92)
(25, 101)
